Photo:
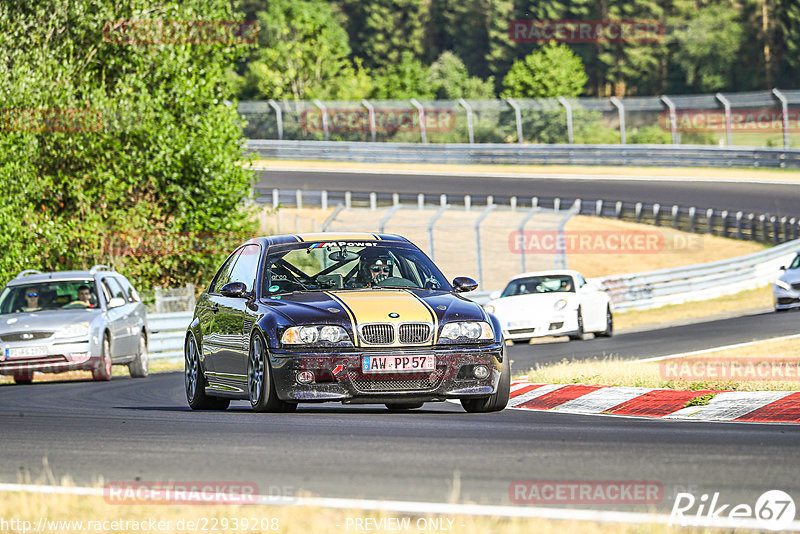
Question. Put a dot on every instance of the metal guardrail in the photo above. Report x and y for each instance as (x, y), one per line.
(527, 154)
(697, 282)
(762, 227)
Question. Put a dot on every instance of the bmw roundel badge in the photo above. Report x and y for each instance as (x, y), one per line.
(394, 315)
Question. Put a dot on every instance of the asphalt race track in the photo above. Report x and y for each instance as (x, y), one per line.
(142, 430)
(776, 199)
(647, 344)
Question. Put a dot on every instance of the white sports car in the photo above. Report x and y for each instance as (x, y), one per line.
(786, 290)
(551, 303)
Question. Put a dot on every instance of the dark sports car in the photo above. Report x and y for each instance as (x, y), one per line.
(353, 318)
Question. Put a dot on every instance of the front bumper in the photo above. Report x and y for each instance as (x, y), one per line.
(46, 356)
(558, 324)
(785, 299)
(339, 377)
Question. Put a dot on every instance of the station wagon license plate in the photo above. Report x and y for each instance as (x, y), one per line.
(25, 352)
(386, 364)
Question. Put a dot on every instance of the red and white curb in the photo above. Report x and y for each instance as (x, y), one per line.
(749, 406)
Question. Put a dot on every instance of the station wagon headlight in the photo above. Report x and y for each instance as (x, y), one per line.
(309, 335)
(489, 308)
(467, 331)
(74, 330)
(560, 305)
(783, 285)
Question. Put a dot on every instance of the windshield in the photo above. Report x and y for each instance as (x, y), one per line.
(796, 263)
(50, 295)
(338, 265)
(561, 283)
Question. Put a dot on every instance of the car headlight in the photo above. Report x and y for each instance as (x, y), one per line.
(784, 285)
(489, 308)
(74, 330)
(560, 305)
(309, 335)
(467, 331)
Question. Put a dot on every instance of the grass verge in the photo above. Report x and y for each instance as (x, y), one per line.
(68, 513)
(737, 369)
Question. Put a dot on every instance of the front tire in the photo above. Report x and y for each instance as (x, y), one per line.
(140, 366)
(578, 336)
(102, 371)
(195, 382)
(609, 331)
(496, 401)
(260, 386)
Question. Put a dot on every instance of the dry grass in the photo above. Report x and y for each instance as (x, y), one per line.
(608, 370)
(156, 366)
(522, 170)
(286, 519)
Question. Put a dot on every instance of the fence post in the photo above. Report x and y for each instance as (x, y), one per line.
(324, 111)
(371, 112)
(431, 222)
(568, 108)
(373, 201)
(323, 201)
(724, 223)
(278, 118)
(751, 220)
(467, 202)
(517, 117)
(618, 209)
(762, 219)
(793, 225)
(513, 203)
(656, 213)
(785, 228)
(534, 202)
(443, 200)
(298, 198)
(710, 219)
(525, 220)
(276, 199)
(692, 218)
(774, 223)
(578, 205)
(784, 117)
(348, 199)
(638, 211)
(190, 300)
(421, 201)
(727, 105)
(675, 211)
(621, 110)
(598, 208)
(490, 200)
(739, 224)
(478, 252)
(421, 112)
(556, 204)
(159, 301)
(468, 108)
(673, 119)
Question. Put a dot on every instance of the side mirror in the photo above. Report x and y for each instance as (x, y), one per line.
(783, 267)
(494, 295)
(116, 302)
(234, 289)
(463, 284)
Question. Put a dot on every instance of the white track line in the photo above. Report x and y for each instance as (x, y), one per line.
(528, 176)
(437, 509)
(713, 349)
(729, 405)
(601, 400)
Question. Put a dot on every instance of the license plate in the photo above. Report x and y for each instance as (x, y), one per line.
(387, 364)
(25, 352)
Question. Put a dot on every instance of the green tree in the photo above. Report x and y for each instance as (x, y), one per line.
(303, 54)
(404, 80)
(552, 71)
(450, 80)
(107, 146)
(706, 48)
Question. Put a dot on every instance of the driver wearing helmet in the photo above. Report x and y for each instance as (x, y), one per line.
(375, 269)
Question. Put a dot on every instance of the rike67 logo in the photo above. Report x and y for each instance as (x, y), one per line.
(773, 510)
